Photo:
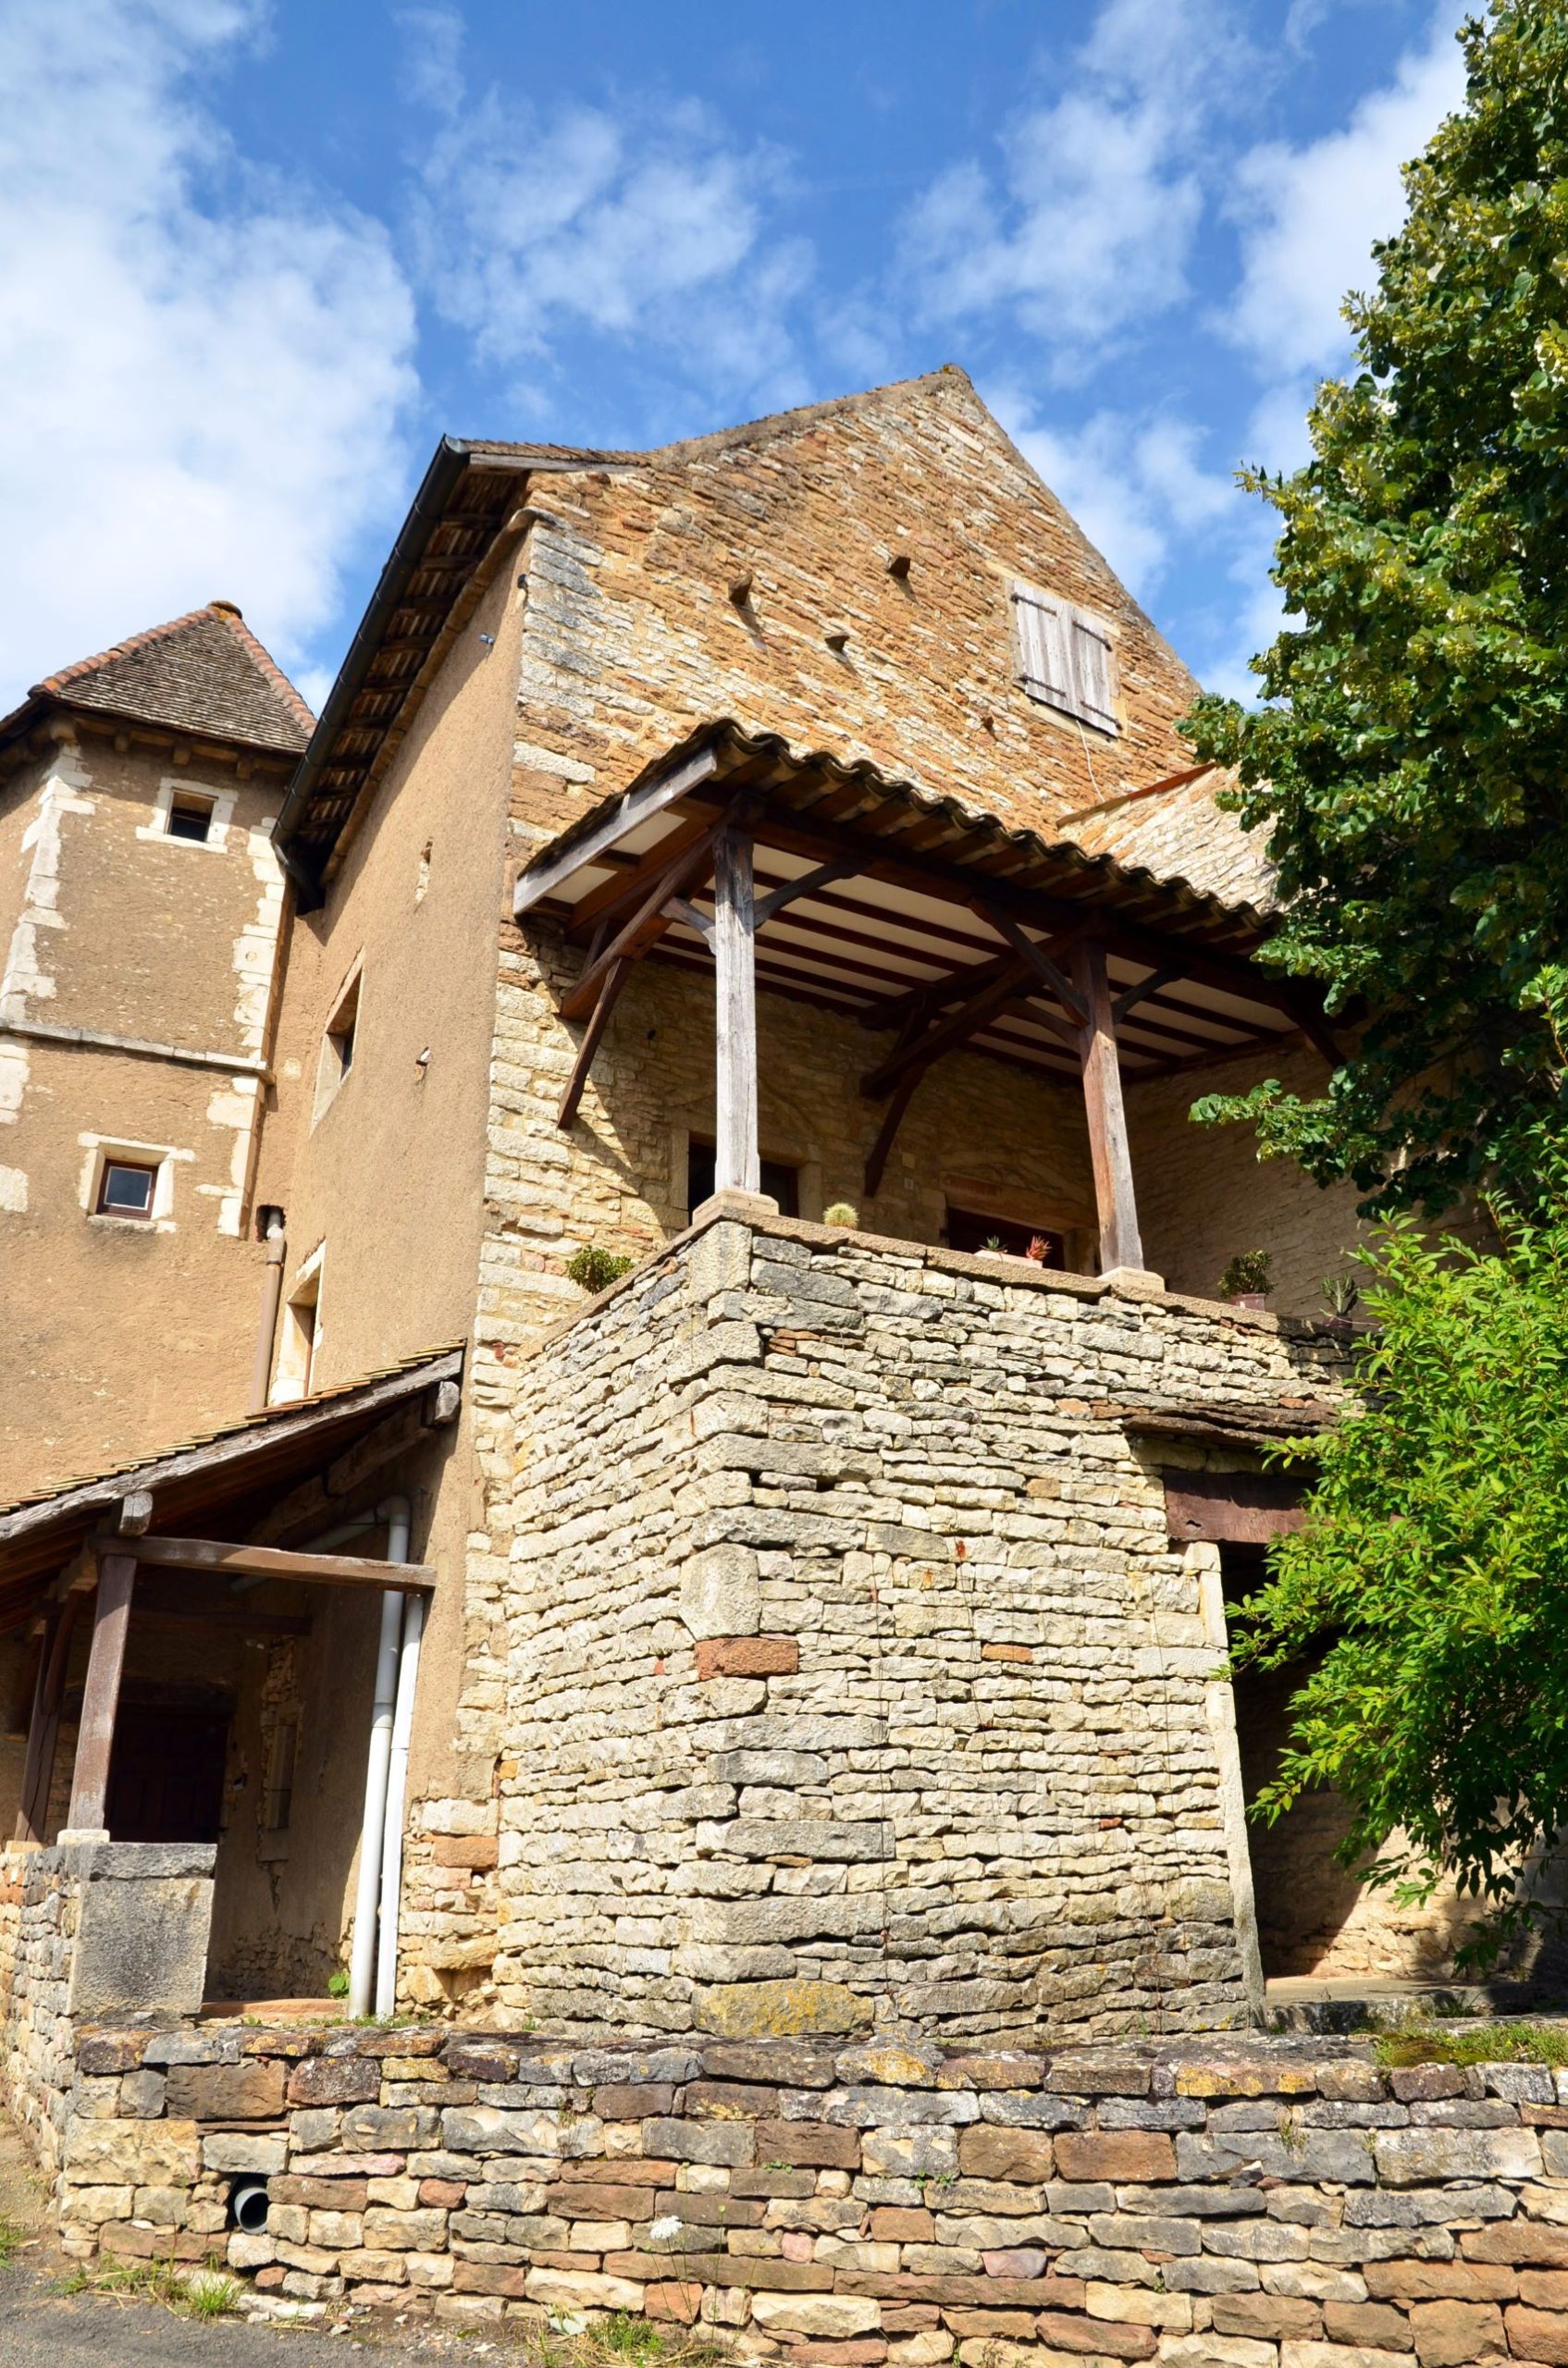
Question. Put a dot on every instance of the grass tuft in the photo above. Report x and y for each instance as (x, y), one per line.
(1481, 2043)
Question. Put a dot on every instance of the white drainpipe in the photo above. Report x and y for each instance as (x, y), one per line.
(394, 1511)
(392, 1832)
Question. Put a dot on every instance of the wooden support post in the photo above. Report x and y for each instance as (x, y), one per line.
(24, 1827)
(95, 1737)
(38, 1775)
(738, 1166)
(1120, 1244)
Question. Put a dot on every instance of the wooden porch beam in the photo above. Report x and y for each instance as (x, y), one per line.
(1039, 960)
(1120, 1243)
(841, 867)
(737, 1160)
(934, 994)
(962, 1023)
(647, 923)
(893, 1118)
(1132, 997)
(636, 805)
(609, 995)
(100, 1700)
(242, 1562)
(602, 907)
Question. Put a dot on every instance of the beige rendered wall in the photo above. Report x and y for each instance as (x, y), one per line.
(117, 1336)
(387, 1184)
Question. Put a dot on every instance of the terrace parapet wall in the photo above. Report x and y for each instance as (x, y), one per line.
(1266, 2203)
(853, 1679)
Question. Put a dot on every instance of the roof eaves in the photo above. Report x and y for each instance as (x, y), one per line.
(232, 1441)
(451, 459)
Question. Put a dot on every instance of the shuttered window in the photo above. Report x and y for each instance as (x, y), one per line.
(1065, 657)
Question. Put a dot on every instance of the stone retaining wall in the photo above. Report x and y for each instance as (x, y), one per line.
(847, 1647)
(1265, 2205)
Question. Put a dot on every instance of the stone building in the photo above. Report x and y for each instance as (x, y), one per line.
(772, 862)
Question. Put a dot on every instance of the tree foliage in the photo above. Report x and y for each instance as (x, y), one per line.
(1412, 756)
(1433, 1566)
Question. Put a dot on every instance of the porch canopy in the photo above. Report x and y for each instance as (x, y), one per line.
(225, 1508)
(925, 920)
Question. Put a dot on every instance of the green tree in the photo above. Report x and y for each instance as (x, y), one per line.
(1412, 754)
(1433, 1568)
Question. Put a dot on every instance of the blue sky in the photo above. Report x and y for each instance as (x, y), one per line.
(254, 259)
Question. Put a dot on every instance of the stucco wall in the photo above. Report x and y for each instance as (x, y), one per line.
(129, 1336)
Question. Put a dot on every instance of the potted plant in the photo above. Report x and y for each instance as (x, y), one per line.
(1341, 1298)
(1245, 1281)
(593, 1269)
(842, 1212)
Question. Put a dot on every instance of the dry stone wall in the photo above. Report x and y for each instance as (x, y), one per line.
(852, 1678)
(1270, 2204)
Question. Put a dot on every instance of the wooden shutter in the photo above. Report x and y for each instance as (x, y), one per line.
(1065, 657)
(1045, 646)
(1093, 680)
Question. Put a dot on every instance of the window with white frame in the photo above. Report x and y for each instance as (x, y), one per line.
(337, 1057)
(301, 1332)
(128, 1183)
(1065, 657)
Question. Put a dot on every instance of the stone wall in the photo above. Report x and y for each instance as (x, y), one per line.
(94, 1930)
(849, 1659)
(1272, 2204)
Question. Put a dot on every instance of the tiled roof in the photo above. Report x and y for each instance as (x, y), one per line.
(1176, 831)
(203, 673)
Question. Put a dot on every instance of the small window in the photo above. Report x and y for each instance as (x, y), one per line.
(970, 1229)
(337, 1045)
(191, 815)
(780, 1182)
(125, 1190)
(1065, 658)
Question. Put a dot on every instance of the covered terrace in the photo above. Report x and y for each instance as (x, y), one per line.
(936, 927)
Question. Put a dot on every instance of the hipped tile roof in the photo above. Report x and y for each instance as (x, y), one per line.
(205, 673)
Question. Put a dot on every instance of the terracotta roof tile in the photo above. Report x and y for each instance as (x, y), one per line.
(203, 673)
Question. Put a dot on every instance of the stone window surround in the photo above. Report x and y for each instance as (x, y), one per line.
(100, 1151)
(175, 785)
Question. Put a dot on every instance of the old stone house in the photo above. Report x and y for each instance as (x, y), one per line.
(774, 861)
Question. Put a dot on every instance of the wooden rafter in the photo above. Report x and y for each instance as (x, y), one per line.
(954, 1029)
(647, 923)
(237, 1560)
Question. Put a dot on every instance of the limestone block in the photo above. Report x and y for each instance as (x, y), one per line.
(233, 2151)
(247, 2091)
(145, 2153)
(719, 1592)
(781, 2009)
(826, 2315)
(144, 1917)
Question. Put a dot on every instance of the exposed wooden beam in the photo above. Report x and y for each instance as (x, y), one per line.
(737, 1165)
(647, 923)
(681, 908)
(239, 1561)
(808, 885)
(638, 805)
(1039, 959)
(1131, 996)
(1120, 1243)
(100, 1700)
(609, 995)
(940, 1039)
(933, 994)
(893, 1118)
(600, 909)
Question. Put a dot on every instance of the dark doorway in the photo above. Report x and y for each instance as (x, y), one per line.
(166, 1779)
(780, 1182)
(1302, 1893)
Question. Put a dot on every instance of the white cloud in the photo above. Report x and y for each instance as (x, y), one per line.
(1309, 215)
(1091, 231)
(1136, 485)
(202, 369)
(651, 225)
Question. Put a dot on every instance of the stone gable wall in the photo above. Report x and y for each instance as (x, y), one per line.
(1263, 2204)
(848, 1652)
